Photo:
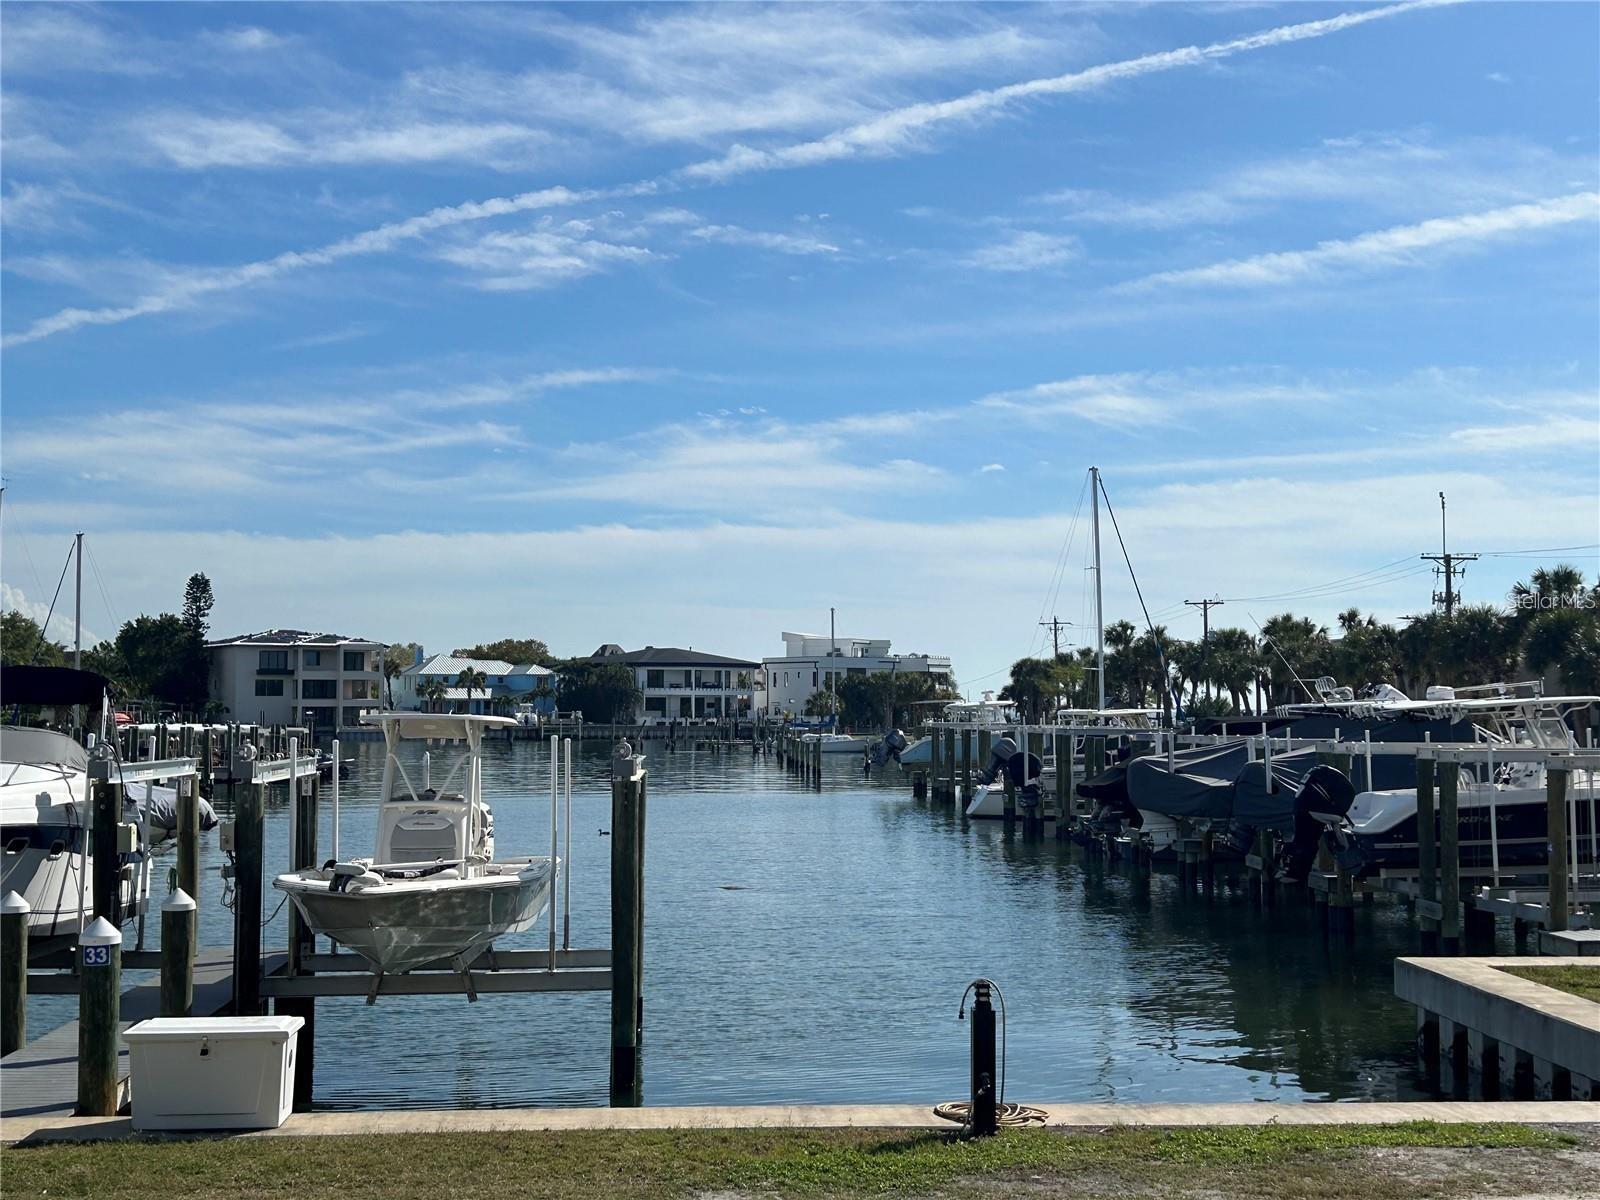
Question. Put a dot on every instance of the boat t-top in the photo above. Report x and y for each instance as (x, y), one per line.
(433, 890)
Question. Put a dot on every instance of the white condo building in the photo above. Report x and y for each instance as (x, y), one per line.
(810, 659)
(291, 677)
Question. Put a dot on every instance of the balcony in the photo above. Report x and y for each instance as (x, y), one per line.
(285, 672)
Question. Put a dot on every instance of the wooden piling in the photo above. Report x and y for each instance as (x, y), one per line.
(627, 930)
(966, 768)
(1556, 782)
(99, 1003)
(14, 912)
(189, 837)
(1063, 756)
(106, 877)
(1449, 859)
(248, 836)
(178, 930)
(1427, 873)
(950, 767)
(207, 750)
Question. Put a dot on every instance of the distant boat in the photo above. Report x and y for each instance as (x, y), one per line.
(433, 891)
(839, 743)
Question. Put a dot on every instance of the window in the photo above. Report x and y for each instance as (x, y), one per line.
(655, 679)
(269, 687)
(355, 660)
(317, 689)
(774, 679)
(813, 679)
(273, 660)
(313, 658)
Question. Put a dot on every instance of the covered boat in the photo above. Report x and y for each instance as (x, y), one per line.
(433, 890)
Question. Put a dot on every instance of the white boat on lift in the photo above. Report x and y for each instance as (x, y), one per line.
(433, 890)
(839, 743)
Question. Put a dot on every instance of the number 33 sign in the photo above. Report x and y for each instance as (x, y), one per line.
(96, 956)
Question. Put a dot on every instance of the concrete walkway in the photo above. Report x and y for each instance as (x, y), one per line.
(834, 1116)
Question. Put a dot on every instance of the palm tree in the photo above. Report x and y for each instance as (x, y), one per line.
(391, 670)
(1232, 664)
(433, 693)
(472, 680)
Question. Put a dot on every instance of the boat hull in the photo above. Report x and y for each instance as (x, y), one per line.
(400, 927)
(1520, 838)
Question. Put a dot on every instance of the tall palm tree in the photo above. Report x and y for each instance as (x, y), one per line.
(473, 680)
(1232, 664)
(433, 693)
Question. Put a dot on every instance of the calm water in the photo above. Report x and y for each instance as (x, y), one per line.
(812, 947)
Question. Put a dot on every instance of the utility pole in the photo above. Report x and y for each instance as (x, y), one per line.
(1447, 564)
(1205, 607)
(833, 652)
(1055, 625)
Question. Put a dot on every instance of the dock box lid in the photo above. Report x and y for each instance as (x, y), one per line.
(185, 1029)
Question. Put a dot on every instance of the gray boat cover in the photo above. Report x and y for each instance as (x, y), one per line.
(163, 805)
(1200, 783)
(1254, 805)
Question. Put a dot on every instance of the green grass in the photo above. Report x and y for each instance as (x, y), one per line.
(1278, 1161)
(1580, 981)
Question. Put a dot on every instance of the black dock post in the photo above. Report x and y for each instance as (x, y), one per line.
(983, 1120)
(248, 835)
(1556, 782)
(627, 929)
(99, 999)
(1449, 859)
(106, 878)
(178, 928)
(14, 912)
(1427, 872)
(303, 853)
(189, 837)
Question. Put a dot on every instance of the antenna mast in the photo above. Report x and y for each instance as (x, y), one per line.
(1447, 565)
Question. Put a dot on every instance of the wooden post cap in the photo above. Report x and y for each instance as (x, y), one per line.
(14, 905)
(179, 901)
(101, 933)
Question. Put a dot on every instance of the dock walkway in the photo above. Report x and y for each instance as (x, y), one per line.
(40, 1081)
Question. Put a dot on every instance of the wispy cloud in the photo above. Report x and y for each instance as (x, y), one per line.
(903, 129)
(895, 131)
(1025, 250)
(196, 142)
(1399, 246)
(548, 254)
(783, 243)
(1111, 400)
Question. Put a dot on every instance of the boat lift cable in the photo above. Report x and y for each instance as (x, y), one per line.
(1161, 650)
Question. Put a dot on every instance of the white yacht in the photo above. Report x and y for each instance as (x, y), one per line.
(45, 808)
(433, 891)
(839, 743)
(987, 713)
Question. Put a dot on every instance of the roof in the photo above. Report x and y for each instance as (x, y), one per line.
(453, 664)
(666, 656)
(289, 637)
(434, 725)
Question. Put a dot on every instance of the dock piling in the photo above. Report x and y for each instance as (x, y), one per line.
(1449, 859)
(178, 930)
(105, 878)
(1427, 873)
(14, 912)
(628, 794)
(1556, 782)
(99, 1002)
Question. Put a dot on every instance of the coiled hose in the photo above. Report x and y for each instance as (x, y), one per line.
(1006, 1115)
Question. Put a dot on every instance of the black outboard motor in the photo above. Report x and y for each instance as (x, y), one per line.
(1001, 753)
(1024, 771)
(1109, 791)
(1322, 802)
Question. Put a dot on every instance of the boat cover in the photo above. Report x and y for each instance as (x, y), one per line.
(1199, 783)
(53, 686)
(163, 805)
(1255, 806)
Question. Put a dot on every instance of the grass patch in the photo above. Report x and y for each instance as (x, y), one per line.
(1580, 981)
(760, 1163)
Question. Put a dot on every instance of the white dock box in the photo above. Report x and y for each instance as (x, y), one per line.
(212, 1072)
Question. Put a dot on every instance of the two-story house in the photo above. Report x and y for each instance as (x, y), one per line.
(508, 688)
(685, 685)
(813, 662)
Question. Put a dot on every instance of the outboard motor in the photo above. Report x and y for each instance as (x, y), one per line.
(1024, 771)
(1001, 753)
(1321, 803)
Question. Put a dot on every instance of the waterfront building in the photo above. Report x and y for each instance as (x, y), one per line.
(813, 662)
(685, 685)
(324, 681)
(510, 689)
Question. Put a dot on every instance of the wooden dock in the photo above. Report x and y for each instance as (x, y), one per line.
(41, 1079)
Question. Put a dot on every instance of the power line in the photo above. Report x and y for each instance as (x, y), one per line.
(1447, 564)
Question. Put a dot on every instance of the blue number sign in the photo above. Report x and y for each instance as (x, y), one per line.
(96, 956)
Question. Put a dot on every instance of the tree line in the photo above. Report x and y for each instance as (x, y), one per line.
(1550, 628)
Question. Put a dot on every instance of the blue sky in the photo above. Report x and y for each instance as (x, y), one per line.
(678, 325)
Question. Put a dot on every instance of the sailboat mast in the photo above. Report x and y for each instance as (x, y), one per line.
(77, 613)
(1099, 598)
